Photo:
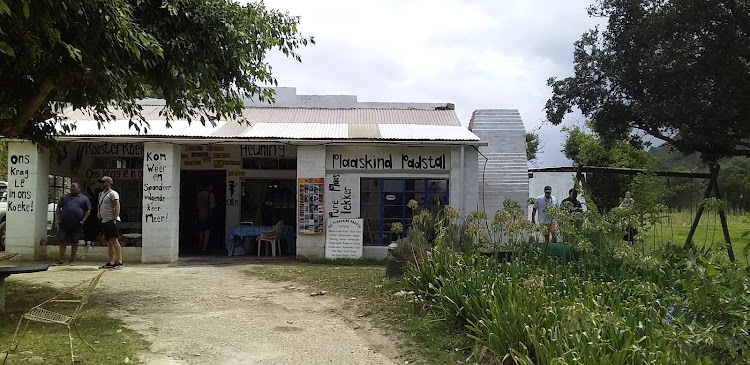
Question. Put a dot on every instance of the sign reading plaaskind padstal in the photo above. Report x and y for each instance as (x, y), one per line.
(344, 238)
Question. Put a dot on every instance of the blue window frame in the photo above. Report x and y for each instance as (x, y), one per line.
(383, 202)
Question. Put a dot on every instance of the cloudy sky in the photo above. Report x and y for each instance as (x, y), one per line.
(473, 53)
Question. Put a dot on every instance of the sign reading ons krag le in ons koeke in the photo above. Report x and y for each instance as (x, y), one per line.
(344, 238)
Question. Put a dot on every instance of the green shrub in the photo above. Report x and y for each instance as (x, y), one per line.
(619, 303)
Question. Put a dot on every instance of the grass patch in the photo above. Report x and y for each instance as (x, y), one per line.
(365, 261)
(112, 341)
(427, 340)
(709, 232)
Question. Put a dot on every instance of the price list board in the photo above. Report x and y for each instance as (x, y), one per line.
(311, 208)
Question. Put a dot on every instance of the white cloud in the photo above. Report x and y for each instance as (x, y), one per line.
(476, 54)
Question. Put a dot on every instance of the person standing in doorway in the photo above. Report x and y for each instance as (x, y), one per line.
(109, 213)
(91, 228)
(549, 224)
(205, 203)
(72, 212)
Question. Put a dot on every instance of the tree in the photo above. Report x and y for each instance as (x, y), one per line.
(605, 189)
(202, 56)
(679, 70)
(532, 146)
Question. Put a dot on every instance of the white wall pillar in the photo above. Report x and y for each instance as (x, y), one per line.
(463, 190)
(311, 164)
(28, 184)
(161, 202)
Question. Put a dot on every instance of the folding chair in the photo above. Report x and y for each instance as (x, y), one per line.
(75, 295)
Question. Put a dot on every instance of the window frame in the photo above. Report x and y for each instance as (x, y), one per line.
(405, 220)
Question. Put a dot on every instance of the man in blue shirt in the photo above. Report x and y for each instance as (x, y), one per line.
(72, 212)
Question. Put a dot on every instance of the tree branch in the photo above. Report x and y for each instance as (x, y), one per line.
(30, 107)
(740, 153)
(655, 133)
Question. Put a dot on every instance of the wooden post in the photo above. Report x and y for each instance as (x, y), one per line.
(2, 293)
(694, 226)
(722, 215)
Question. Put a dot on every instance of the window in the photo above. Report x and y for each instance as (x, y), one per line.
(117, 163)
(58, 186)
(383, 202)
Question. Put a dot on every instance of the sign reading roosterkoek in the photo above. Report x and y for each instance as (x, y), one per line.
(388, 158)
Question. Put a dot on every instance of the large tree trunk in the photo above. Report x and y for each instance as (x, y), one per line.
(30, 107)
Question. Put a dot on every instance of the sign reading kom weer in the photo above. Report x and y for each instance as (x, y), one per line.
(388, 158)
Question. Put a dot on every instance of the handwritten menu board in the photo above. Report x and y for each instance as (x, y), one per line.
(310, 198)
(344, 238)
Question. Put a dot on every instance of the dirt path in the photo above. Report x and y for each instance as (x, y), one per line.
(209, 312)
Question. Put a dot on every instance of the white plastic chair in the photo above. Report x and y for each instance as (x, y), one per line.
(273, 238)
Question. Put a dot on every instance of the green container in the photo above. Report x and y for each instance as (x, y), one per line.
(394, 268)
(562, 250)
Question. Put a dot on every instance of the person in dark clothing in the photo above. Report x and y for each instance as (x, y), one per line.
(72, 212)
(91, 229)
(573, 199)
(205, 204)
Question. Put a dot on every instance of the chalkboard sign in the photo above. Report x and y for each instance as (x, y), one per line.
(344, 238)
(311, 215)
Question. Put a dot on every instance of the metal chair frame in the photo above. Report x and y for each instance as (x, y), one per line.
(72, 295)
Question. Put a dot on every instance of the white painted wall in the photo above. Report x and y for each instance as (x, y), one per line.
(463, 189)
(161, 203)
(28, 171)
(311, 164)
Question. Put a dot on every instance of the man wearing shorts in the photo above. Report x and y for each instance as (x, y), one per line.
(72, 212)
(109, 213)
(549, 225)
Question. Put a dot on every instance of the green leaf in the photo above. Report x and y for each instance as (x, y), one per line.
(26, 12)
(7, 49)
(4, 9)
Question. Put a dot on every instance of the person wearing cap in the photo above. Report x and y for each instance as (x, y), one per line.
(109, 213)
(549, 225)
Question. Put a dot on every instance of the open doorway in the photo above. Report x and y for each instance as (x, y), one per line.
(265, 202)
(191, 183)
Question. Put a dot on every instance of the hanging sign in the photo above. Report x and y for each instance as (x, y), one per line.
(344, 238)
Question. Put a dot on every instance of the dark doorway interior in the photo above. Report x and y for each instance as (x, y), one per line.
(192, 182)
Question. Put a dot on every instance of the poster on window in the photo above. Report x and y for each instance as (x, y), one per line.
(311, 215)
(344, 238)
(342, 196)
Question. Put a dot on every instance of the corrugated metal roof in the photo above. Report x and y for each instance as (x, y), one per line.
(351, 116)
(294, 123)
(295, 131)
(364, 131)
(316, 115)
(426, 132)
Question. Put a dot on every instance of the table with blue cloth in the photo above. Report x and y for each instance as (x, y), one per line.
(237, 235)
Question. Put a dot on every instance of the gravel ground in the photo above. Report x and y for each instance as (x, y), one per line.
(206, 311)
